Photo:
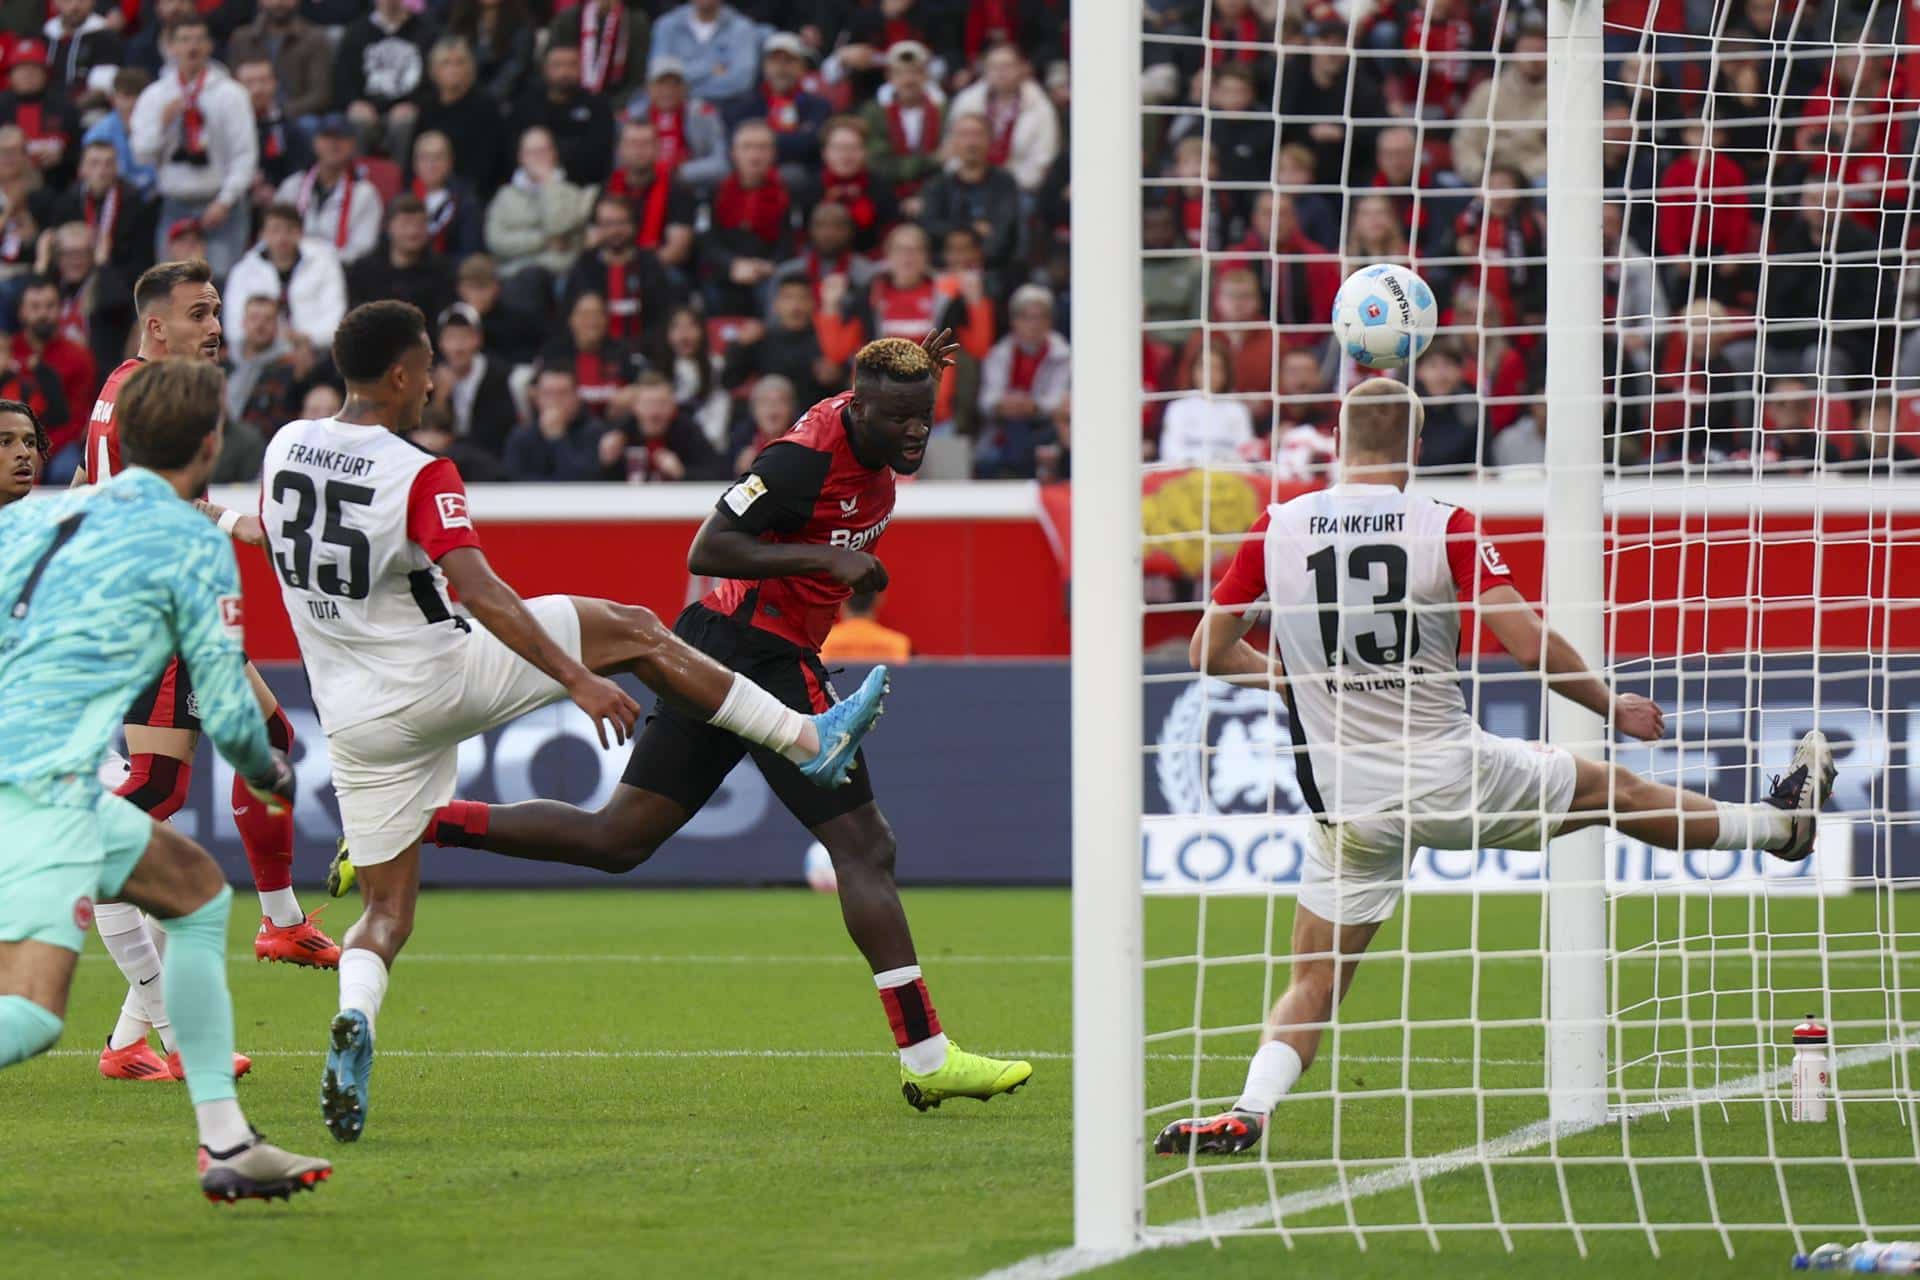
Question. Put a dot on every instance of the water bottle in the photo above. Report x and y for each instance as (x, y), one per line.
(1812, 1072)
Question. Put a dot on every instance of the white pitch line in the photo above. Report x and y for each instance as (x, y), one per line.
(1062, 1263)
(1034, 1055)
(660, 958)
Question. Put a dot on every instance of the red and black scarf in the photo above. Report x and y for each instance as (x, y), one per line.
(311, 181)
(603, 44)
(441, 206)
(671, 129)
(761, 210)
(653, 206)
(193, 124)
(854, 191)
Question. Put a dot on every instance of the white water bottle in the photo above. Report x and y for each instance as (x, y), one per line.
(1812, 1072)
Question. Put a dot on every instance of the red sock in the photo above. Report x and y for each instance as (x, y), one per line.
(157, 784)
(267, 837)
(458, 824)
(910, 1010)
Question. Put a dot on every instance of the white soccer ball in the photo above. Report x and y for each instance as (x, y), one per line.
(1384, 316)
(817, 867)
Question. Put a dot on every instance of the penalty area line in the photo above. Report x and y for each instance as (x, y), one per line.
(1061, 1263)
(1033, 1055)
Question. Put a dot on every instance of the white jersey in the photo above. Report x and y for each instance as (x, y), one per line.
(355, 519)
(1365, 583)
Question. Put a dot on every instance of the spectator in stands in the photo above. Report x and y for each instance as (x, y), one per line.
(459, 110)
(786, 346)
(1636, 302)
(794, 114)
(828, 252)
(83, 53)
(1023, 133)
(300, 54)
(562, 440)
(285, 146)
(301, 273)
(404, 265)
(48, 120)
(260, 344)
(750, 216)
(1377, 234)
(902, 300)
(1331, 102)
(1701, 404)
(663, 443)
(148, 49)
(115, 128)
(612, 36)
(581, 126)
(844, 180)
(1704, 214)
(1303, 441)
(1801, 430)
(664, 207)
(974, 193)
(1302, 279)
(1885, 449)
(96, 299)
(1628, 168)
(1244, 146)
(38, 340)
(536, 223)
(718, 49)
(1208, 427)
(1418, 197)
(1200, 214)
(1021, 381)
(471, 385)
(1504, 119)
(380, 75)
(770, 413)
(1828, 296)
(186, 240)
(118, 220)
(25, 207)
(636, 290)
(434, 435)
(1523, 442)
(195, 125)
(453, 210)
(695, 371)
(321, 400)
(340, 206)
(602, 367)
(1242, 335)
(510, 334)
(1445, 35)
(859, 636)
(1451, 436)
(904, 132)
(30, 380)
(1228, 22)
(500, 33)
(1319, 214)
(871, 32)
(1169, 283)
(278, 387)
(691, 141)
(1505, 235)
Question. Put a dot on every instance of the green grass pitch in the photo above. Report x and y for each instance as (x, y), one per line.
(678, 1083)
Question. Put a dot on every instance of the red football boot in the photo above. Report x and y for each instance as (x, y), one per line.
(176, 1071)
(302, 943)
(137, 1061)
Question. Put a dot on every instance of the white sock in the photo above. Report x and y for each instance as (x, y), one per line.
(363, 982)
(222, 1126)
(124, 931)
(758, 716)
(1272, 1072)
(281, 907)
(922, 1056)
(1752, 826)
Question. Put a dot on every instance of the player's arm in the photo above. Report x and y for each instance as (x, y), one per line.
(1219, 645)
(777, 496)
(1527, 638)
(237, 525)
(207, 631)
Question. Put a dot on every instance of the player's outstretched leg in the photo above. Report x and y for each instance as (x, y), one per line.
(1319, 982)
(177, 883)
(932, 1067)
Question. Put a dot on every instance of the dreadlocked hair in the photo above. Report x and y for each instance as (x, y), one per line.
(900, 359)
(42, 442)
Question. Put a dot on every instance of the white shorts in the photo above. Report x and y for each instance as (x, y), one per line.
(393, 771)
(1516, 798)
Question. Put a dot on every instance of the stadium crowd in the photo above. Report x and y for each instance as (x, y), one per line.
(648, 233)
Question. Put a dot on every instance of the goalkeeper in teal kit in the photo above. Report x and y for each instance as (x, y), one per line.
(98, 589)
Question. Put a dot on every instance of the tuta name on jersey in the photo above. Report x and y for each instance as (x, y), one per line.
(346, 464)
(1360, 522)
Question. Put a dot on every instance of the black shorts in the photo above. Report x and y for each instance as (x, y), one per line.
(682, 757)
(167, 703)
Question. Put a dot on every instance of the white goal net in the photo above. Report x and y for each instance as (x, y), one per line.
(1695, 220)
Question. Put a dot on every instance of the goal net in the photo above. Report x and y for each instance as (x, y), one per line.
(1677, 381)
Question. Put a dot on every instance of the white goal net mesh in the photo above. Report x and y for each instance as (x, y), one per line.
(1762, 488)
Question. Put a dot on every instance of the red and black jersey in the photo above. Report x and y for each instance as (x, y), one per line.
(807, 486)
(102, 461)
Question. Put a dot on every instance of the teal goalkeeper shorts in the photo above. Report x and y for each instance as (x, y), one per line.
(56, 860)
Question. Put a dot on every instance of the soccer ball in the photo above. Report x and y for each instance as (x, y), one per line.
(1384, 316)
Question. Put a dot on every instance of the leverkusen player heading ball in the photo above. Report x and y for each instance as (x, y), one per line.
(793, 539)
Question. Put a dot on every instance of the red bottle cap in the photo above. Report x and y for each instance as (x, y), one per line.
(1810, 1032)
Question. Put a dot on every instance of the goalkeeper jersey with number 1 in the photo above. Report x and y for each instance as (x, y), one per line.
(1365, 582)
(99, 588)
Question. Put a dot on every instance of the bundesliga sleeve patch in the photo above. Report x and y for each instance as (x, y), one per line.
(231, 618)
(453, 510)
(745, 494)
(1491, 562)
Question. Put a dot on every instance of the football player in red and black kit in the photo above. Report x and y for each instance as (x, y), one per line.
(793, 539)
(178, 308)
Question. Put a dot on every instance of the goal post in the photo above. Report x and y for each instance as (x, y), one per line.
(1109, 1089)
(1576, 549)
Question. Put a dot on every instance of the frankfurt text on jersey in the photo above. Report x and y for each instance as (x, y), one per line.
(346, 464)
(1359, 522)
